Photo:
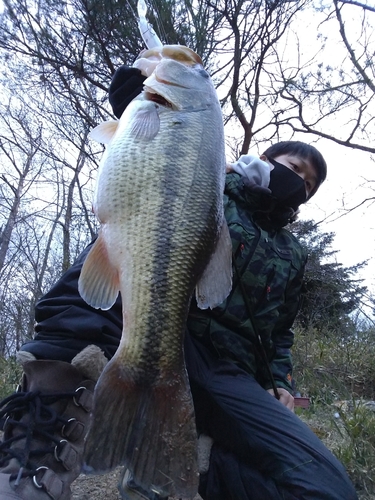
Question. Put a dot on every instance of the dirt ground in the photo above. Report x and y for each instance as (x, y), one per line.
(97, 487)
(100, 487)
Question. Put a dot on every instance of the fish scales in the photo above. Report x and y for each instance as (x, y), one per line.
(160, 230)
(159, 200)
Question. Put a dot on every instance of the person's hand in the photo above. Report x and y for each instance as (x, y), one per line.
(228, 168)
(285, 397)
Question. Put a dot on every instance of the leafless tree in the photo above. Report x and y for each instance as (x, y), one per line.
(333, 94)
(58, 59)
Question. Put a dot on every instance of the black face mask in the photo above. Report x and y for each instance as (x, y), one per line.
(286, 186)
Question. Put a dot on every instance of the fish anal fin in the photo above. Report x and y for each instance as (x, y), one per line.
(215, 284)
(98, 283)
(148, 428)
(104, 132)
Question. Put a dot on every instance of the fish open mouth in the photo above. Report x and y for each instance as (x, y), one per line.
(159, 99)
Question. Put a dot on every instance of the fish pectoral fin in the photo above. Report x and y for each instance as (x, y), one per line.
(98, 283)
(104, 132)
(149, 428)
(145, 124)
(216, 282)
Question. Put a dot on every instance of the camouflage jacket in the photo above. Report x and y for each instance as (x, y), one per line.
(271, 263)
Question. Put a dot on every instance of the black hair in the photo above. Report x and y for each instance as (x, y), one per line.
(303, 150)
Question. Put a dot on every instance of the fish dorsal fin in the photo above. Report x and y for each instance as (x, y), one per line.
(216, 282)
(145, 123)
(104, 132)
(98, 283)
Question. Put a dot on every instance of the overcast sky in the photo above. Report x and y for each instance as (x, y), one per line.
(351, 174)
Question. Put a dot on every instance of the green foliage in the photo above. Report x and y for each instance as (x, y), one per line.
(327, 369)
(334, 358)
(357, 450)
(339, 376)
(10, 376)
(330, 291)
(347, 429)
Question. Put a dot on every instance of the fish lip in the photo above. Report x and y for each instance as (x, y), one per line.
(150, 95)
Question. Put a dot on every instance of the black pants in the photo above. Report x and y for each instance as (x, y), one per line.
(262, 450)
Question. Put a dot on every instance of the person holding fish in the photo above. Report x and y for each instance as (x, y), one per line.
(191, 362)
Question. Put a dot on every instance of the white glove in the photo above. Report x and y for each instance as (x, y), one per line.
(204, 452)
(255, 170)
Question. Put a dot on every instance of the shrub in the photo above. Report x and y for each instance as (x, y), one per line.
(339, 376)
(10, 376)
(328, 368)
(357, 451)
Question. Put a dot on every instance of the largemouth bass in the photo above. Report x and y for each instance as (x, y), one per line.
(159, 198)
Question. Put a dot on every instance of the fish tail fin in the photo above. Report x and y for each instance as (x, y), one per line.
(149, 428)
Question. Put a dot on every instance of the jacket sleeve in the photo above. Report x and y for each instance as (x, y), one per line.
(283, 336)
(66, 324)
